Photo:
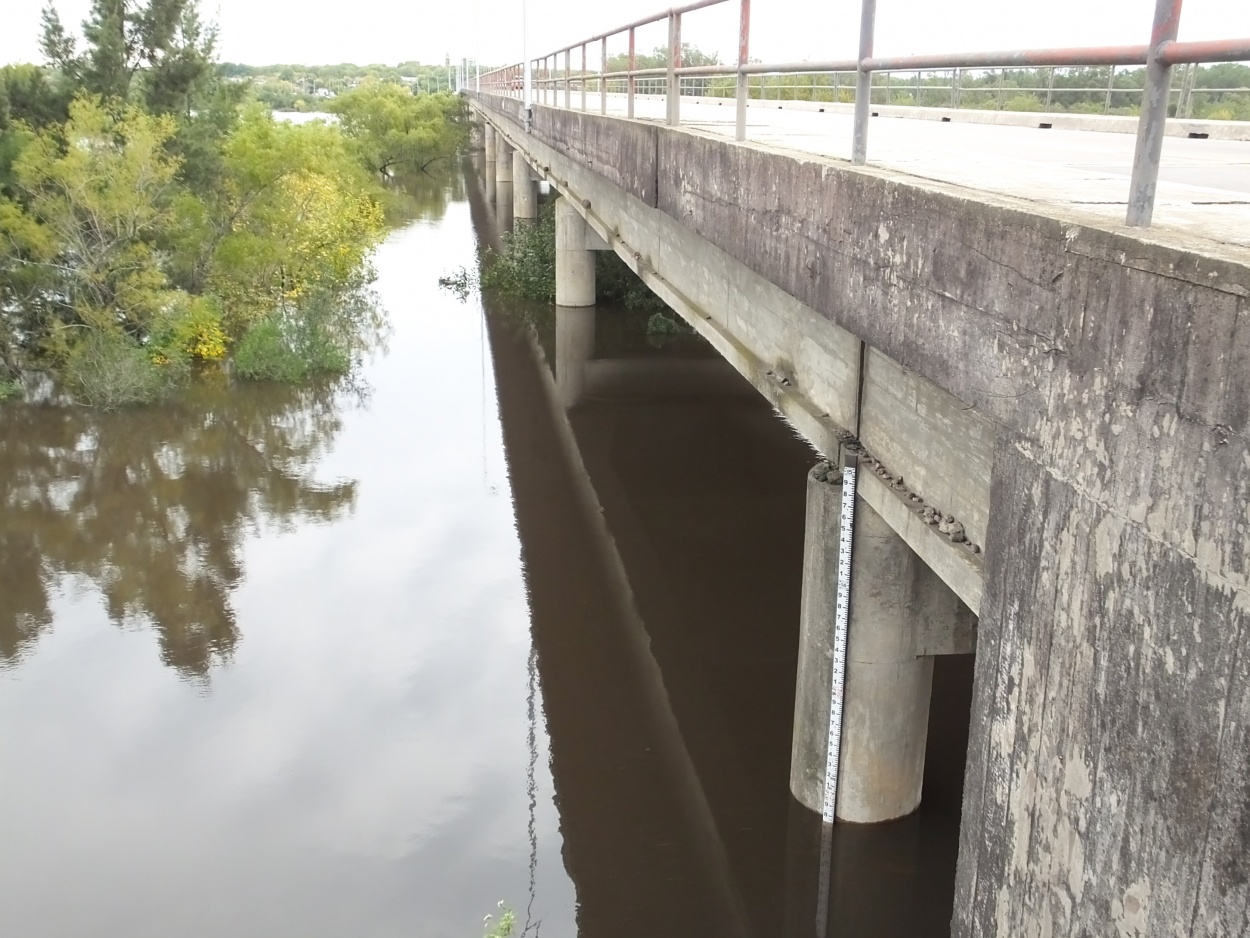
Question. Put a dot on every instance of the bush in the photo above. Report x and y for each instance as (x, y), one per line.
(190, 330)
(10, 388)
(1023, 102)
(265, 354)
(526, 267)
(111, 370)
(320, 337)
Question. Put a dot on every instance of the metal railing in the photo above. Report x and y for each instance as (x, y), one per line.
(1159, 56)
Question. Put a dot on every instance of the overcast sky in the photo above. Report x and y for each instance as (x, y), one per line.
(262, 32)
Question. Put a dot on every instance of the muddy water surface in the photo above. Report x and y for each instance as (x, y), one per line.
(508, 615)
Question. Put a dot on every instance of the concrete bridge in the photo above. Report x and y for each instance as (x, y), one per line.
(1054, 411)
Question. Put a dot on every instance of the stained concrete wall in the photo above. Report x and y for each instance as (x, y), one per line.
(1108, 785)
(808, 366)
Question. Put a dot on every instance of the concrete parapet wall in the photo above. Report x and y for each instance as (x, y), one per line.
(1101, 376)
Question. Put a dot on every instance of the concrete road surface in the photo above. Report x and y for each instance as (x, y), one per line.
(1204, 188)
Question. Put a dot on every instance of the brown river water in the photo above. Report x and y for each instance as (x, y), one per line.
(508, 615)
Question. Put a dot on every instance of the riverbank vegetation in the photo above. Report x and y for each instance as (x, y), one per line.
(155, 218)
(306, 87)
(526, 268)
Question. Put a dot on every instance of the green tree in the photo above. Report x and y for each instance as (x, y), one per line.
(163, 39)
(100, 191)
(298, 218)
(391, 127)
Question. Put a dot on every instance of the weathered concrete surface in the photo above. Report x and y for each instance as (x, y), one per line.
(624, 155)
(808, 366)
(575, 264)
(524, 189)
(1204, 185)
(901, 615)
(503, 165)
(1107, 783)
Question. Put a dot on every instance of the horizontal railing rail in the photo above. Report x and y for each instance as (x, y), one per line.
(1159, 56)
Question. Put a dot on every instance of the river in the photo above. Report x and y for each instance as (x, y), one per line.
(488, 621)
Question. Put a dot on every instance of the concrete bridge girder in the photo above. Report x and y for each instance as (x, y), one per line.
(740, 313)
(807, 366)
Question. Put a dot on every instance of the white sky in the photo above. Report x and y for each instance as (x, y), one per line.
(312, 32)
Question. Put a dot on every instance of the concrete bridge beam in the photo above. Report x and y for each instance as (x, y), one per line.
(901, 615)
(524, 189)
(575, 264)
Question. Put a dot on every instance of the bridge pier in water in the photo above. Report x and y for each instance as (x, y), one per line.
(575, 261)
(901, 616)
(503, 163)
(524, 189)
(489, 144)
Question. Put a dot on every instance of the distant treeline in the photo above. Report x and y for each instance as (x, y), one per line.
(1212, 92)
(306, 87)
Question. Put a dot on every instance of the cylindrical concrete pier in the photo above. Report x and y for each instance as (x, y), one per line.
(575, 265)
(490, 143)
(888, 685)
(524, 189)
(503, 165)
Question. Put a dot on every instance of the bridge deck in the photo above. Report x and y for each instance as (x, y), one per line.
(1204, 185)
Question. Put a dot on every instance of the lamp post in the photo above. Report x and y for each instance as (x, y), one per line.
(527, 85)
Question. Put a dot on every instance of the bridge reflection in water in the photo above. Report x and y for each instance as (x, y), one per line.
(660, 506)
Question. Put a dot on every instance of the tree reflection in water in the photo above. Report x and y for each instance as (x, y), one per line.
(151, 506)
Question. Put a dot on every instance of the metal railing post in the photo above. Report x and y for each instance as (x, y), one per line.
(1050, 86)
(1154, 115)
(583, 82)
(1106, 105)
(632, 84)
(568, 78)
(917, 102)
(744, 42)
(863, 83)
(673, 92)
(603, 82)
